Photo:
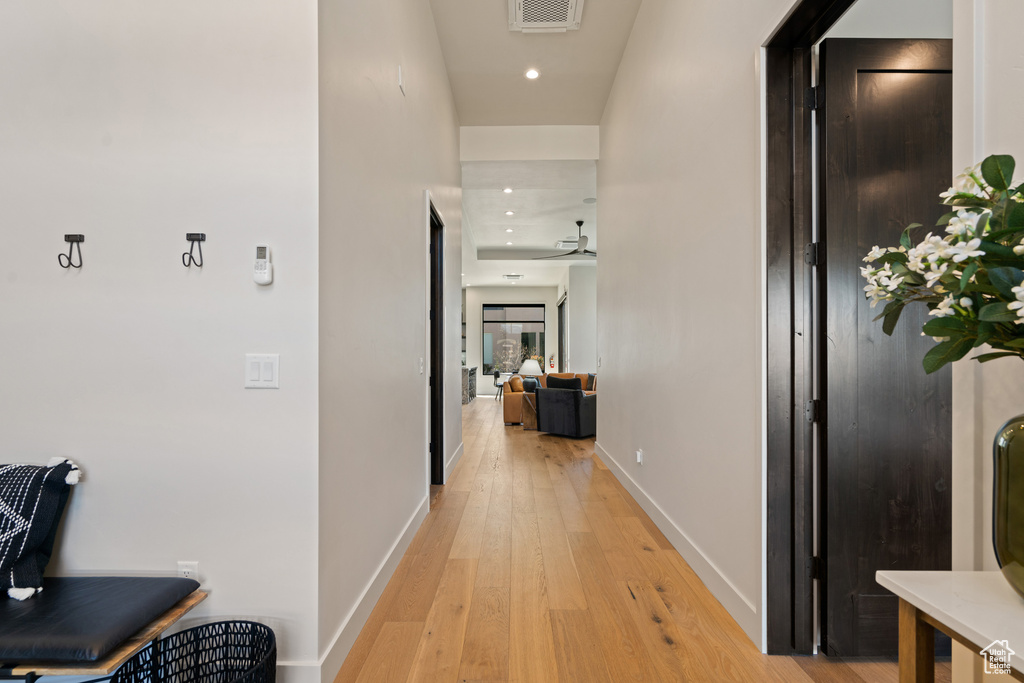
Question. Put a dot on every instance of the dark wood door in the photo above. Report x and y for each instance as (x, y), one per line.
(885, 155)
(436, 380)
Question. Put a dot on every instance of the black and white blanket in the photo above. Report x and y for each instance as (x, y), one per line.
(32, 500)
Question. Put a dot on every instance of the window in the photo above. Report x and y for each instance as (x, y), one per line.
(512, 333)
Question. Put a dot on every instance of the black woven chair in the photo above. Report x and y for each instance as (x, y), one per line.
(222, 652)
(566, 412)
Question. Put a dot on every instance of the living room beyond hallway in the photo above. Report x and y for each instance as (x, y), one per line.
(535, 564)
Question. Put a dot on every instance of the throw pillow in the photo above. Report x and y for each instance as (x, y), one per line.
(564, 383)
(515, 383)
(591, 382)
(32, 500)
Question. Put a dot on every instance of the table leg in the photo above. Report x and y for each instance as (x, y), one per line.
(917, 646)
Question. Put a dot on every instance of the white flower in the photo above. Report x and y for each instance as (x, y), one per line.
(1019, 249)
(937, 271)
(1018, 305)
(965, 250)
(876, 253)
(963, 223)
(944, 309)
(964, 183)
(876, 293)
(967, 302)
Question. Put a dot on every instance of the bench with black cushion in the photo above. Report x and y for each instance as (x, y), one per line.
(566, 412)
(82, 620)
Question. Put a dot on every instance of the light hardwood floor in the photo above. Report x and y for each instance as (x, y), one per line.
(535, 565)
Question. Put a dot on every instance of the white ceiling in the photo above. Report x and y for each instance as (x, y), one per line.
(547, 200)
(486, 62)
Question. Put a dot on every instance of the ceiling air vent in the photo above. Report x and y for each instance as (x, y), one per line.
(513, 276)
(544, 16)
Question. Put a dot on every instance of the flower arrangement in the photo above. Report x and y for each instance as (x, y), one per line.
(971, 278)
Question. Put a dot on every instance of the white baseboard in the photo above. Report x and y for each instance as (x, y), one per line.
(453, 461)
(742, 610)
(326, 670)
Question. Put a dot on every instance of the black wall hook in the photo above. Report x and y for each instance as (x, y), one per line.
(194, 238)
(74, 242)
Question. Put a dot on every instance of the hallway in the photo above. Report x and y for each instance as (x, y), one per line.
(535, 564)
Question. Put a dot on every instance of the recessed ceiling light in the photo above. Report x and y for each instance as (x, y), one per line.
(510, 213)
(507, 190)
(508, 229)
(463, 275)
(508, 243)
(532, 74)
(590, 200)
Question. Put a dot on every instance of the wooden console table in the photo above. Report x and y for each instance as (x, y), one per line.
(976, 609)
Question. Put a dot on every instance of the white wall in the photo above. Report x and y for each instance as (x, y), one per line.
(380, 150)
(988, 94)
(680, 285)
(896, 19)
(582, 309)
(477, 297)
(134, 123)
(528, 143)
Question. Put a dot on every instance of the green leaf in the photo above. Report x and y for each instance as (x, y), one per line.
(944, 220)
(997, 313)
(983, 289)
(891, 318)
(969, 272)
(944, 327)
(1005, 279)
(1015, 343)
(946, 352)
(998, 250)
(892, 257)
(965, 200)
(1015, 215)
(985, 332)
(986, 357)
(997, 170)
(905, 237)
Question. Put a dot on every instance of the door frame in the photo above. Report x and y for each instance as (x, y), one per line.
(790, 618)
(434, 359)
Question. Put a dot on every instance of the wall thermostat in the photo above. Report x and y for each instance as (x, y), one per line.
(263, 270)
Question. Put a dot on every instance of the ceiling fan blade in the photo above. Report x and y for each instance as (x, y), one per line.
(589, 253)
(541, 258)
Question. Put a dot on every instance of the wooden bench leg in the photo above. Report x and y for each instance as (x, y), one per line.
(917, 646)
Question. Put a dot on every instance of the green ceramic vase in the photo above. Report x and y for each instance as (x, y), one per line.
(1008, 501)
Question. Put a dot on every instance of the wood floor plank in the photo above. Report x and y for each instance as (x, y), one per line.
(470, 532)
(663, 638)
(444, 631)
(574, 518)
(413, 601)
(392, 655)
(531, 647)
(616, 549)
(564, 588)
(626, 656)
(485, 653)
(577, 647)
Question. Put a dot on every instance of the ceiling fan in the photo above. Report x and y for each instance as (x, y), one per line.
(581, 246)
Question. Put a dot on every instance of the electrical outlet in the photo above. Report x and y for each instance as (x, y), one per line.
(188, 570)
(639, 456)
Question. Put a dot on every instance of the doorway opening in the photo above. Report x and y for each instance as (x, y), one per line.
(436, 320)
(831, 497)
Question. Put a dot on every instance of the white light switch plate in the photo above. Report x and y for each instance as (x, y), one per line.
(261, 371)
